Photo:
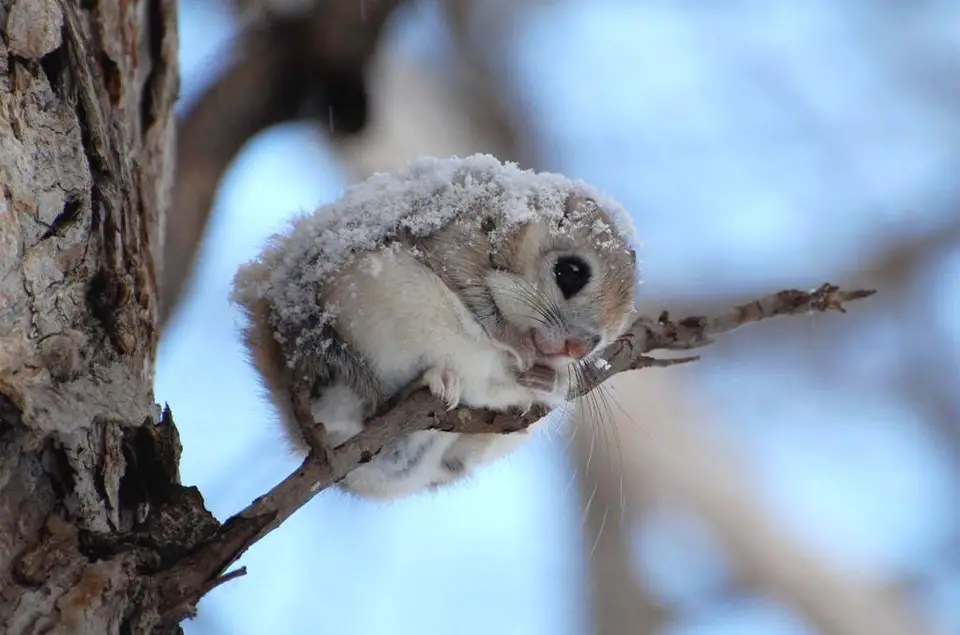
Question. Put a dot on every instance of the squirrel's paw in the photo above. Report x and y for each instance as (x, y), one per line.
(444, 384)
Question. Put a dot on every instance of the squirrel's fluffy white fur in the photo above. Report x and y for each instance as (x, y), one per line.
(391, 306)
(456, 286)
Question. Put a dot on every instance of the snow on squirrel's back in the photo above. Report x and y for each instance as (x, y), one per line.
(418, 200)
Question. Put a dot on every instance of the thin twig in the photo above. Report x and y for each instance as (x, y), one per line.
(662, 333)
(421, 411)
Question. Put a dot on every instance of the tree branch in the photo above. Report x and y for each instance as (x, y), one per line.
(184, 583)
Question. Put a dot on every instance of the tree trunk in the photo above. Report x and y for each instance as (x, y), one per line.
(86, 464)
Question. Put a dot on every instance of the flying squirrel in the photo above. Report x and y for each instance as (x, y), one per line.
(486, 283)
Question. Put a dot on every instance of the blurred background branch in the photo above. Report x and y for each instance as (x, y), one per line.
(309, 63)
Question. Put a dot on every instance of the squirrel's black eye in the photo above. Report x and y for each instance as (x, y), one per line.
(572, 275)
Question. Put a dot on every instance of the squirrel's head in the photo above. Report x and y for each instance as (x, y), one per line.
(568, 282)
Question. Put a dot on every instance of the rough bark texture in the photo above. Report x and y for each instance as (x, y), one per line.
(86, 103)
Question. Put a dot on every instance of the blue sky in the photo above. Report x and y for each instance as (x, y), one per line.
(767, 145)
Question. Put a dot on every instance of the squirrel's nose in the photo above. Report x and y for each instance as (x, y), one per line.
(578, 348)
